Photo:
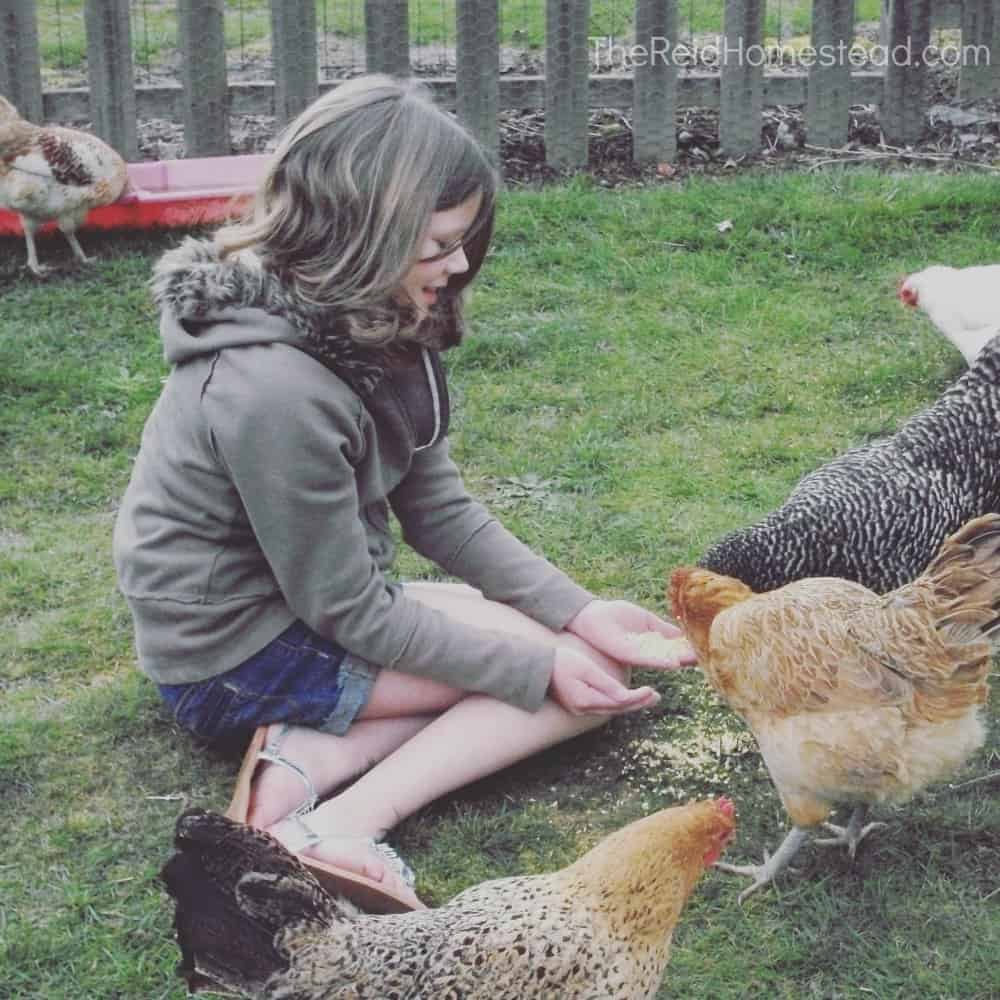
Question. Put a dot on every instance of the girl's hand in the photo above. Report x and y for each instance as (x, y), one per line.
(583, 688)
(615, 627)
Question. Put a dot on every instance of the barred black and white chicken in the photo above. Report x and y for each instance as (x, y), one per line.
(878, 513)
(51, 173)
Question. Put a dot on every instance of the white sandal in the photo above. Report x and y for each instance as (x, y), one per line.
(307, 838)
(268, 750)
(370, 895)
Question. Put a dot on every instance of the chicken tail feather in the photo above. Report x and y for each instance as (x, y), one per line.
(234, 888)
(964, 578)
(959, 592)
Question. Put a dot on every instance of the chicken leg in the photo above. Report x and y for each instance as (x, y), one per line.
(29, 226)
(68, 226)
(773, 863)
(74, 245)
(851, 835)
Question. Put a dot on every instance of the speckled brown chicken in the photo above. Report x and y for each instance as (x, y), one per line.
(251, 917)
(51, 173)
(853, 697)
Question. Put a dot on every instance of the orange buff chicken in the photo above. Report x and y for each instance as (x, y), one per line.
(854, 698)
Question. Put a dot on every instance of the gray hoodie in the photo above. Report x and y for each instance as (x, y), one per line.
(263, 488)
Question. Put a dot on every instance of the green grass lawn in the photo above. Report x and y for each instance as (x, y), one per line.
(636, 384)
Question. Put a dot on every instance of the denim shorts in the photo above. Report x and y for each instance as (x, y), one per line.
(299, 678)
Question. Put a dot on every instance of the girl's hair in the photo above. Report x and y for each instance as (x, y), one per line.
(348, 195)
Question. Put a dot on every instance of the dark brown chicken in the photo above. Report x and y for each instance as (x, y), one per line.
(251, 917)
(853, 698)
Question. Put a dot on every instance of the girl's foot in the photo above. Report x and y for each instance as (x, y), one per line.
(282, 782)
(359, 855)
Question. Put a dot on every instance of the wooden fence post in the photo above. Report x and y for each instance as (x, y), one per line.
(980, 52)
(828, 97)
(20, 61)
(111, 79)
(201, 30)
(567, 75)
(387, 37)
(296, 63)
(654, 137)
(477, 69)
(974, 14)
(742, 70)
(902, 110)
(989, 54)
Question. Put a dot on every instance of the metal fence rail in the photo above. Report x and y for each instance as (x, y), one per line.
(648, 78)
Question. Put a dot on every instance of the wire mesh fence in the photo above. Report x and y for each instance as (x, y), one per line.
(202, 62)
(432, 32)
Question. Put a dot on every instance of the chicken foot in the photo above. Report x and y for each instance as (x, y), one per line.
(29, 226)
(773, 863)
(69, 231)
(851, 835)
(74, 245)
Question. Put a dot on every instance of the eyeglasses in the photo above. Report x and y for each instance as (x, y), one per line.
(443, 253)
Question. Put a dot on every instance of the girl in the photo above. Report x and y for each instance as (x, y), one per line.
(305, 403)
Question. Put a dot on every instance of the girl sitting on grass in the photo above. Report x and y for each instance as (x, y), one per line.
(307, 401)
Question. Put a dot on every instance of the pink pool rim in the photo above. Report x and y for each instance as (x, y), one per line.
(172, 193)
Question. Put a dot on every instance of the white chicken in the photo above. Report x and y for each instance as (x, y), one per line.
(48, 172)
(962, 302)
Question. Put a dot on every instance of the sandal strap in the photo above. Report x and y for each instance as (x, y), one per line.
(401, 868)
(272, 754)
(307, 838)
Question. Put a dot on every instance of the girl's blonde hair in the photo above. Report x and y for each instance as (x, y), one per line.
(348, 195)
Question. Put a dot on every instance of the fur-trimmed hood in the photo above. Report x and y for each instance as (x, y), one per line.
(207, 304)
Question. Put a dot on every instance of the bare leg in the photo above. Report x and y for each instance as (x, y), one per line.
(475, 736)
(399, 707)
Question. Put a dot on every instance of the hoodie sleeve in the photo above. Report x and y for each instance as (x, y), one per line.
(442, 522)
(290, 445)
